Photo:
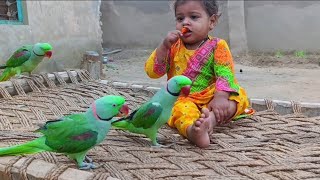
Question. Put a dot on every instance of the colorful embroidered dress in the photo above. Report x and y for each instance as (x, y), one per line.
(210, 67)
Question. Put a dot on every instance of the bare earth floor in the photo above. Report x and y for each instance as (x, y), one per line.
(263, 76)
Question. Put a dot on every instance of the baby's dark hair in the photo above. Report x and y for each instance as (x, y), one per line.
(211, 6)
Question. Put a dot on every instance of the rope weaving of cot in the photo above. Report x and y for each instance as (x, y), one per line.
(265, 146)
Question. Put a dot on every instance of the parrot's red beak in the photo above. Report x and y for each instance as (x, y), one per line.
(186, 90)
(124, 111)
(48, 54)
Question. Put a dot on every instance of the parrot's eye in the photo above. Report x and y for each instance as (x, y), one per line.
(114, 105)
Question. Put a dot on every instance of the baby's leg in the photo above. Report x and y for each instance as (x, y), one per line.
(199, 132)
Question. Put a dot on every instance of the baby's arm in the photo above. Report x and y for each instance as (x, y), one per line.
(154, 67)
(224, 69)
(157, 64)
(226, 82)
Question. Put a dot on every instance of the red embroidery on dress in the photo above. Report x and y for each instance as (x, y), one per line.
(199, 58)
(159, 67)
(223, 85)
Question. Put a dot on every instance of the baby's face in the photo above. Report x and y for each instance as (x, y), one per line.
(193, 16)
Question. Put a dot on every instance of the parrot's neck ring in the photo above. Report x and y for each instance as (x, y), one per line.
(37, 54)
(173, 94)
(94, 109)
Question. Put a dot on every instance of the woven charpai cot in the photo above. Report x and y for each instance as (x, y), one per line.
(264, 146)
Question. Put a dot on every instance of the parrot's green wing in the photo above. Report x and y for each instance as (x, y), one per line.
(20, 56)
(146, 115)
(71, 134)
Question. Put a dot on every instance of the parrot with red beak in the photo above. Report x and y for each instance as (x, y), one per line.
(152, 115)
(25, 59)
(75, 134)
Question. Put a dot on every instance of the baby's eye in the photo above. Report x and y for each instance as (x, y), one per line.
(179, 19)
(194, 17)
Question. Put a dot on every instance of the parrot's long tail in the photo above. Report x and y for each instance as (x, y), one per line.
(3, 66)
(35, 146)
(6, 74)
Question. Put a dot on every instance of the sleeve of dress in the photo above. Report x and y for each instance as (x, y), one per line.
(224, 69)
(154, 68)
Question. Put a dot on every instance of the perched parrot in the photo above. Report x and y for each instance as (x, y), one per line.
(25, 59)
(152, 115)
(74, 135)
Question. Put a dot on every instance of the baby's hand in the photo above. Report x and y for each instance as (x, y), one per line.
(171, 38)
(219, 106)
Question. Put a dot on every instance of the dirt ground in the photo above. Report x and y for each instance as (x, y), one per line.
(263, 75)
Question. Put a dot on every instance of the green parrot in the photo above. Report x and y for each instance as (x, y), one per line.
(152, 115)
(74, 135)
(25, 59)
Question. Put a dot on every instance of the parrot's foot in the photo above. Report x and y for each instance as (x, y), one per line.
(157, 145)
(87, 166)
(21, 76)
(87, 159)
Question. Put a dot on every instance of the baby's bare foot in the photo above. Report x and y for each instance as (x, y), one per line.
(199, 132)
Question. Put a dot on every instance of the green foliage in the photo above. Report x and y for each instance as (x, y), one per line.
(279, 54)
(300, 54)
